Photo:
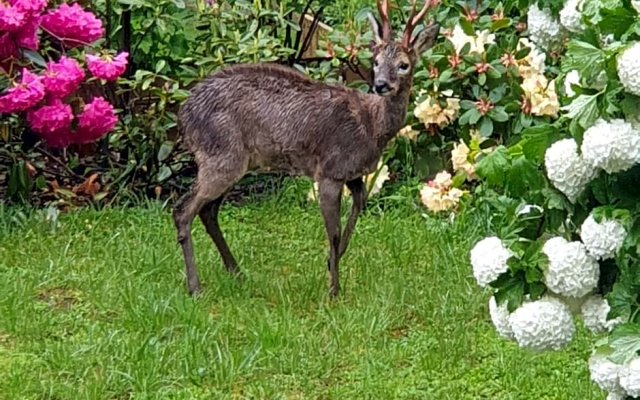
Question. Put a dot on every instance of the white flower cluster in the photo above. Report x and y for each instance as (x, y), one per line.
(544, 30)
(613, 146)
(630, 377)
(636, 5)
(594, 313)
(544, 324)
(572, 78)
(566, 169)
(500, 317)
(619, 380)
(604, 239)
(489, 260)
(571, 272)
(629, 68)
(571, 15)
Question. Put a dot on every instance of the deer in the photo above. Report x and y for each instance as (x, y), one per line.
(271, 117)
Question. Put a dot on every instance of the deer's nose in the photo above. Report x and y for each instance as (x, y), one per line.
(381, 87)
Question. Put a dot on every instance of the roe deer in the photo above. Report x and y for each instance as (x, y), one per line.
(270, 117)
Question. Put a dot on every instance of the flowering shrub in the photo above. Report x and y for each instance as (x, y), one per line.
(563, 195)
(45, 94)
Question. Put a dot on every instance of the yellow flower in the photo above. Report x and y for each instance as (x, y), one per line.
(459, 39)
(373, 182)
(409, 133)
(438, 195)
(542, 95)
(460, 160)
(532, 63)
(430, 111)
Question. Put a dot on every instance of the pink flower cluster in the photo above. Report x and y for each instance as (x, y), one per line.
(107, 67)
(20, 21)
(44, 97)
(73, 25)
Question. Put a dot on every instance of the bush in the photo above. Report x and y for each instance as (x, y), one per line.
(564, 201)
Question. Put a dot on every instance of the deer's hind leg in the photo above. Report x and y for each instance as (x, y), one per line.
(212, 183)
(330, 199)
(209, 217)
(359, 197)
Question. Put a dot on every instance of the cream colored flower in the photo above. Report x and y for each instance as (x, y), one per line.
(460, 159)
(430, 112)
(409, 133)
(438, 195)
(542, 95)
(459, 39)
(533, 63)
(373, 182)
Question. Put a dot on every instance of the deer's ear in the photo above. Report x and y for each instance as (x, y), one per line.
(376, 28)
(426, 38)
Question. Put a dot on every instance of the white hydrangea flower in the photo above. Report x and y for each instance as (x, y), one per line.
(571, 272)
(500, 318)
(612, 146)
(572, 78)
(604, 239)
(489, 260)
(527, 208)
(604, 373)
(544, 30)
(636, 5)
(570, 16)
(617, 395)
(566, 169)
(594, 314)
(630, 377)
(544, 324)
(629, 68)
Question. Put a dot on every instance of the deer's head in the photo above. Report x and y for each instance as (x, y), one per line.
(393, 61)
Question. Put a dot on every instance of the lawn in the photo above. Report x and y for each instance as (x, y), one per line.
(97, 309)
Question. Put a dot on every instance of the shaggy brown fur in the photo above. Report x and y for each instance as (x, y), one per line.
(273, 118)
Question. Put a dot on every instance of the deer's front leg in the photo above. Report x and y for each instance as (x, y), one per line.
(330, 194)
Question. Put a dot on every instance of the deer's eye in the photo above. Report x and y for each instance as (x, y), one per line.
(403, 67)
(375, 63)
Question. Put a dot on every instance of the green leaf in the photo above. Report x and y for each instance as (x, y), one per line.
(494, 166)
(524, 176)
(584, 109)
(625, 341)
(160, 65)
(500, 24)
(536, 140)
(35, 58)
(616, 21)
(499, 114)
(467, 27)
(486, 126)
(165, 150)
(512, 291)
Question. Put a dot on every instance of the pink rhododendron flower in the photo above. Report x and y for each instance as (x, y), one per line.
(107, 67)
(27, 36)
(32, 8)
(63, 77)
(8, 48)
(23, 96)
(96, 120)
(11, 18)
(50, 119)
(73, 25)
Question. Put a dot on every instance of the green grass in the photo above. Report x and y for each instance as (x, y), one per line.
(97, 309)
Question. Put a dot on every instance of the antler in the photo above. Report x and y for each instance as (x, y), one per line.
(383, 10)
(414, 20)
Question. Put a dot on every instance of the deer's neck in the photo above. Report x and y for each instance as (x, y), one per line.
(392, 112)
